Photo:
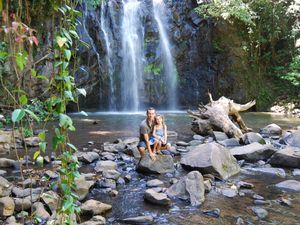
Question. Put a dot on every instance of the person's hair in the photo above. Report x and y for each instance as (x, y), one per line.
(162, 118)
(150, 108)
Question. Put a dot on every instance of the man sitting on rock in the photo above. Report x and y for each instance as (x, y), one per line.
(146, 128)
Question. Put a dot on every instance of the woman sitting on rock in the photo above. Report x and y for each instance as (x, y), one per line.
(160, 134)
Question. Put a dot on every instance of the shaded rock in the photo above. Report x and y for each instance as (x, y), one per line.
(269, 171)
(21, 193)
(22, 204)
(260, 212)
(182, 150)
(83, 187)
(29, 183)
(156, 198)
(198, 137)
(271, 130)
(284, 201)
(219, 136)
(108, 147)
(7, 206)
(51, 174)
(173, 181)
(132, 151)
(287, 157)
(207, 185)
(51, 199)
(231, 142)
(107, 183)
(162, 164)
(258, 197)
(108, 156)
(131, 141)
(6, 163)
(155, 183)
(39, 211)
(5, 187)
(195, 142)
(127, 177)
(94, 207)
(252, 137)
(11, 221)
(190, 186)
(96, 220)
(211, 158)
(229, 192)
(243, 184)
(138, 220)
(212, 212)
(289, 185)
(33, 197)
(113, 193)
(292, 139)
(253, 152)
(87, 157)
(32, 141)
(111, 174)
(261, 202)
(182, 143)
(105, 165)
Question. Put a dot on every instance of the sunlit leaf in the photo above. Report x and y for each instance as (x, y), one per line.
(68, 54)
(17, 115)
(23, 100)
(82, 91)
(36, 154)
(61, 41)
(32, 115)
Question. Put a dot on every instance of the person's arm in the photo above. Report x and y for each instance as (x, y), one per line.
(153, 133)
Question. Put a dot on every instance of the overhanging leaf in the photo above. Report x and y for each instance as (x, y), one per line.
(17, 115)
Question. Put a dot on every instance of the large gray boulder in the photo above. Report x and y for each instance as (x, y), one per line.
(6, 163)
(87, 157)
(94, 207)
(105, 165)
(292, 139)
(22, 204)
(289, 185)
(40, 211)
(190, 186)
(252, 137)
(162, 164)
(211, 158)
(51, 199)
(253, 152)
(287, 157)
(83, 187)
(271, 130)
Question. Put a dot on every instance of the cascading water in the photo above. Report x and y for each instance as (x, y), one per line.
(108, 43)
(169, 68)
(132, 86)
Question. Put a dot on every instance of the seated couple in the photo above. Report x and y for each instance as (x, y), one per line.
(153, 134)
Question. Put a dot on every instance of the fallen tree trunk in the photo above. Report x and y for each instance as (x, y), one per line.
(215, 116)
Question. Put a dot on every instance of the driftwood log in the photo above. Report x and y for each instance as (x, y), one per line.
(221, 115)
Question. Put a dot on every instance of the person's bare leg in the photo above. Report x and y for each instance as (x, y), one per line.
(152, 154)
(142, 151)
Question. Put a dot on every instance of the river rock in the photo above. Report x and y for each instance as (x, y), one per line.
(40, 211)
(94, 207)
(29, 182)
(87, 157)
(111, 174)
(212, 212)
(243, 184)
(219, 136)
(51, 174)
(292, 139)
(229, 143)
(229, 192)
(198, 137)
(253, 152)
(11, 221)
(131, 141)
(211, 158)
(108, 156)
(51, 199)
(7, 206)
(190, 186)
(96, 220)
(154, 183)
(22, 204)
(108, 147)
(5, 187)
(289, 185)
(132, 150)
(296, 172)
(271, 130)
(32, 141)
(207, 185)
(105, 165)
(252, 137)
(182, 143)
(162, 164)
(156, 198)
(6, 163)
(260, 212)
(6, 140)
(138, 220)
(287, 157)
(269, 171)
(195, 142)
(21, 193)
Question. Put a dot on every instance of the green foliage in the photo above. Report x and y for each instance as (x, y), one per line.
(153, 68)
(293, 71)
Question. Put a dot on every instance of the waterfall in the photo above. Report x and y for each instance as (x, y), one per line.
(169, 68)
(108, 44)
(132, 56)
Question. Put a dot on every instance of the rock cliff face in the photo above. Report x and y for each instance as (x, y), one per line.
(200, 63)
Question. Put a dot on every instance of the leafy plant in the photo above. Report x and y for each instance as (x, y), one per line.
(153, 68)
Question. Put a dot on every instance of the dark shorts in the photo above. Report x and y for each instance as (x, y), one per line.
(142, 144)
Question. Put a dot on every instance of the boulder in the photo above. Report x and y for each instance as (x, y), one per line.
(211, 158)
(6, 163)
(5, 187)
(83, 187)
(154, 183)
(96, 220)
(289, 185)
(219, 136)
(252, 137)
(292, 139)
(108, 147)
(105, 165)
(269, 171)
(253, 152)
(131, 141)
(132, 150)
(87, 157)
(7, 206)
(111, 174)
(40, 211)
(190, 186)
(11, 221)
(106, 183)
(287, 157)
(32, 141)
(22, 204)
(156, 198)
(229, 143)
(138, 220)
(94, 207)
(6, 140)
(21, 193)
(162, 164)
(51, 199)
(271, 130)
(260, 212)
